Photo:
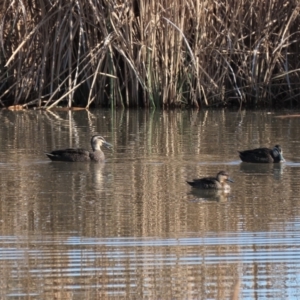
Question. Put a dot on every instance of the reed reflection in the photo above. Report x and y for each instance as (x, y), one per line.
(125, 228)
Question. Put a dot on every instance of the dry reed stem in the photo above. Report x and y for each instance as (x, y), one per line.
(153, 53)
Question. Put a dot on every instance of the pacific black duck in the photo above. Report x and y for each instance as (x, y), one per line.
(262, 155)
(213, 183)
(79, 154)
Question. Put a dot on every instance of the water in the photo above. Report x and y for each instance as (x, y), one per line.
(132, 227)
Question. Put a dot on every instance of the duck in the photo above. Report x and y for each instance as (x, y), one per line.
(212, 183)
(81, 155)
(262, 155)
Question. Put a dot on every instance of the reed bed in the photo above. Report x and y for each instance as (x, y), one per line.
(160, 53)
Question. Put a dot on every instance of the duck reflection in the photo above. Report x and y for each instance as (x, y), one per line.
(78, 176)
(210, 195)
(275, 169)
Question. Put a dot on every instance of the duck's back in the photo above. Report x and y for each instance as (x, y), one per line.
(205, 183)
(69, 154)
(260, 155)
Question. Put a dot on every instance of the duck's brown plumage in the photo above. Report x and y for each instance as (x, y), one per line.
(79, 154)
(217, 183)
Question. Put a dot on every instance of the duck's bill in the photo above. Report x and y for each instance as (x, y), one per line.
(108, 145)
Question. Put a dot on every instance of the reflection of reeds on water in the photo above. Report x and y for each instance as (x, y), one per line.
(142, 200)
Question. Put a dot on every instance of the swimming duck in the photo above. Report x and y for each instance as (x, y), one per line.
(213, 183)
(78, 154)
(262, 155)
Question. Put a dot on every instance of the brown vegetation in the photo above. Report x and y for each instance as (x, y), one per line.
(149, 53)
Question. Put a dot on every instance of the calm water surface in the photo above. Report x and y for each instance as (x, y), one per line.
(132, 228)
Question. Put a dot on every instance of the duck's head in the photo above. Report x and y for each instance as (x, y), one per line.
(277, 152)
(98, 141)
(223, 176)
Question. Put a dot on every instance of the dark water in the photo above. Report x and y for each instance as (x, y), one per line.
(132, 227)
